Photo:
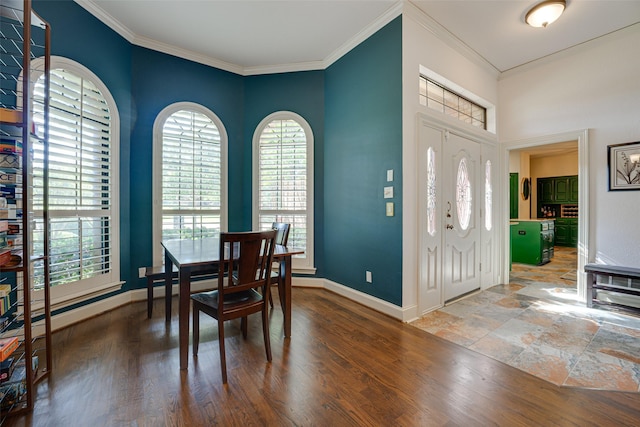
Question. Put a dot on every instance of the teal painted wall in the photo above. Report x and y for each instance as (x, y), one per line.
(354, 109)
(363, 139)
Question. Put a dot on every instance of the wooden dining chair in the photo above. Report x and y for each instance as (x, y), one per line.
(244, 276)
(282, 237)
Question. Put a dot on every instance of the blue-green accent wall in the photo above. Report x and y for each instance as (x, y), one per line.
(363, 139)
(354, 109)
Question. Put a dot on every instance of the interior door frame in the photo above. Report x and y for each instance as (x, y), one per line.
(583, 249)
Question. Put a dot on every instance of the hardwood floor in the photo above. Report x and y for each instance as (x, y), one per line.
(344, 365)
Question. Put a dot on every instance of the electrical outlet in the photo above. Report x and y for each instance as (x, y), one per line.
(368, 277)
(141, 272)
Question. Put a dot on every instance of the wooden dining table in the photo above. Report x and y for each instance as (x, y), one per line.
(194, 257)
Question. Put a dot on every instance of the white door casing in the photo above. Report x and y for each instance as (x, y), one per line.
(430, 217)
(489, 217)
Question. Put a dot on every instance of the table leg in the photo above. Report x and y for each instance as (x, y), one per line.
(285, 293)
(168, 282)
(183, 315)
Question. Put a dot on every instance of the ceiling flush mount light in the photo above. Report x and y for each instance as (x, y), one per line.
(545, 13)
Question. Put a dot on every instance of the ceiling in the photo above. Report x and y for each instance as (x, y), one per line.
(262, 36)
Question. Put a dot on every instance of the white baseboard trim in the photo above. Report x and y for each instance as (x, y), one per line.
(70, 317)
(365, 299)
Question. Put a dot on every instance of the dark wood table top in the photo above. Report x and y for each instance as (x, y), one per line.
(200, 252)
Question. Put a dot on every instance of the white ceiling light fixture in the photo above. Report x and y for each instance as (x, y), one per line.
(545, 13)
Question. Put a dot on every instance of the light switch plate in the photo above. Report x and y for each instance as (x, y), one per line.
(389, 208)
(388, 192)
(390, 175)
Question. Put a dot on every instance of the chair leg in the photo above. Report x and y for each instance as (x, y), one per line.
(271, 300)
(223, 359)
(265, 332)
(196, 329)
(243, 325)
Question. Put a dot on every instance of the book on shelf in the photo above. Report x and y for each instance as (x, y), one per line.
(7, 347)
(6, 369)
(5, 299)
(4, 225)
(14, 228)
(10, 116)
(10, 192)
(10, 160)
(9, 213)
(14, 241)
(8, 145)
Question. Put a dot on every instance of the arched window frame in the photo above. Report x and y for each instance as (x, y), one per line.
(301, 263)
(109, 281)
(158, 125)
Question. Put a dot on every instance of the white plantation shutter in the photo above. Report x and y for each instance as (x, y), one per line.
(283, 186)
(82, 186)
(191, 176)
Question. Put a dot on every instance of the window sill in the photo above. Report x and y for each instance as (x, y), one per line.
(304, 270)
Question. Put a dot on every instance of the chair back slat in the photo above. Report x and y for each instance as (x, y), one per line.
(246, 259)
(282, 236)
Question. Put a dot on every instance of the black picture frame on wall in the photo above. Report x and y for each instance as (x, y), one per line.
(624, 166)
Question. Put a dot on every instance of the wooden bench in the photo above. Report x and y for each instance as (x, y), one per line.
(613, 280)
(155, 275)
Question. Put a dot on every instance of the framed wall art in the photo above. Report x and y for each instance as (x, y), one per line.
(624, 166)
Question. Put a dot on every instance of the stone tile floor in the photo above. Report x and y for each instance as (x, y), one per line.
(536, 324)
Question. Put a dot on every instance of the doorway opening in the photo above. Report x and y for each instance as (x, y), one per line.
(543, 187)
(555, 171)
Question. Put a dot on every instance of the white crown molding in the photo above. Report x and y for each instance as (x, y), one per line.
(187, 54)
(106, 19)
(283, 68)
(414, 12)
(391, 13)
(573, 50)
(132, 38)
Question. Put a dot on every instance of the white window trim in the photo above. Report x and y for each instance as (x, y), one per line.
(70, 292)
(158, 253)
(456, 88)
(306, 265)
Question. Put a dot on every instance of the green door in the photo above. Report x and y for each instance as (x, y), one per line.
(513, 195)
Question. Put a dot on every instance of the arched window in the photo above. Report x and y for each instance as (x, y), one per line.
(190, 174)
(83, 180)
(283, 180)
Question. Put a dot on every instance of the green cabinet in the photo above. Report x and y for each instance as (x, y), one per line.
(545, 190)
(573, 189)
(561, 190)
(567, 232)
(558, 190)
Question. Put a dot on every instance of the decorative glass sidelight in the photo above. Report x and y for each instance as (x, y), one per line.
(488, 196)
(463, 194)
(431, 192)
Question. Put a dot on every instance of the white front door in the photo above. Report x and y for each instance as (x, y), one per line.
(462, 203)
